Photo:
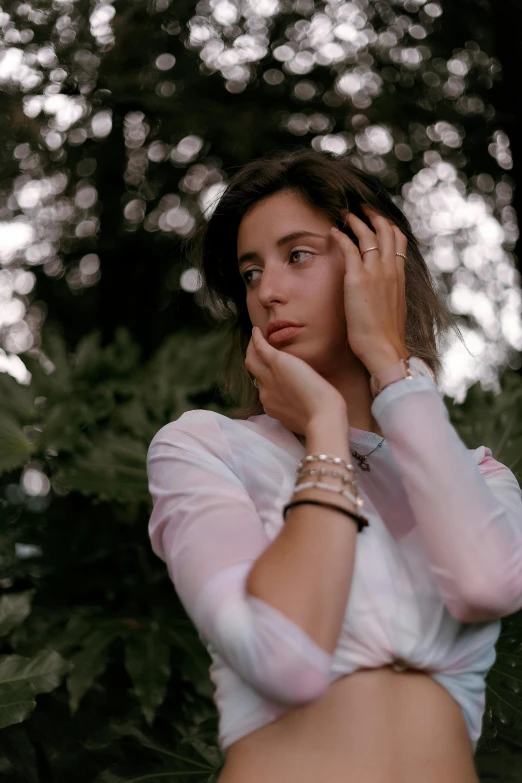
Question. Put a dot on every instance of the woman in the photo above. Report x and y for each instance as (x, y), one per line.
(344, 557)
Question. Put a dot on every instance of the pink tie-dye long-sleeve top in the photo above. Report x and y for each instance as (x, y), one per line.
(439, 565)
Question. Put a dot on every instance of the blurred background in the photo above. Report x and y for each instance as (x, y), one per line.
(120, 123)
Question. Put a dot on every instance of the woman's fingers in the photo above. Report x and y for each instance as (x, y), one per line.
(349, 249)
(387, 237)
(366, 238)
(384, 233)
(253, 356)
(401, 242)
(260, 356)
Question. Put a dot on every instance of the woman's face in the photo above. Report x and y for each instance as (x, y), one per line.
(298, 279)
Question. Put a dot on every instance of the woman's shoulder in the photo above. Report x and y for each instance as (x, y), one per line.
(201, 424)
(194, 421)
(233, 439)
(205, 437)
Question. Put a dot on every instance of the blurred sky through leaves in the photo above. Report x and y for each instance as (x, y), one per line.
(123, 120)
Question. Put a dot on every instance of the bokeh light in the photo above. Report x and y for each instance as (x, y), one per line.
(339, 76)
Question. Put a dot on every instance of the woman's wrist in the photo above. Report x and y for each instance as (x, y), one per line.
(329, 433)
(383, 358)
(328, 423)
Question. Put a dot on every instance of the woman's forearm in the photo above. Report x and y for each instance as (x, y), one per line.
(306, 572)
(473, 539)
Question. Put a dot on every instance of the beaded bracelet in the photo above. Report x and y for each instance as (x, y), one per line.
(323, 458)
(301, 470)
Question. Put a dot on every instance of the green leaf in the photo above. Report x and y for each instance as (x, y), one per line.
(147, 660)
(114, 469)
(77, 629)
(127, 773)
(194, 663)
(57, 383)
(14, 608)
(17, 398)
(19, 750)
(119, 358)
(64, 424)
(15, 448)
(21, 678)
(90, 663)
(17, 703)
(197, 761)
(504, 680)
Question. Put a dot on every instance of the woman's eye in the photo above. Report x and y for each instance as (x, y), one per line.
(292, 254)
(296, 252)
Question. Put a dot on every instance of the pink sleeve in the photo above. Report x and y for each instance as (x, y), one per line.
(467, 505)
(206, 529)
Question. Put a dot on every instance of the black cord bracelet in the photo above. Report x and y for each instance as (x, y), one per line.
(361, 521)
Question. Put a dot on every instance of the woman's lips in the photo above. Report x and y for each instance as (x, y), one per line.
(281, 335)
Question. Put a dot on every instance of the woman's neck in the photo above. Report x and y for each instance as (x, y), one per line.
(354, 385)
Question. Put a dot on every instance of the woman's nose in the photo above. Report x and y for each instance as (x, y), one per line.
(273, 285)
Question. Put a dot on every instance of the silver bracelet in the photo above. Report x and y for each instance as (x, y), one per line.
(321, 485)
(325, 472)
(317, 457)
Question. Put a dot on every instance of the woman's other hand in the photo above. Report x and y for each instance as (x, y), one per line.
(289, 389)
(374, 290)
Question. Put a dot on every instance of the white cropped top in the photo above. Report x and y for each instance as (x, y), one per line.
(439, 565)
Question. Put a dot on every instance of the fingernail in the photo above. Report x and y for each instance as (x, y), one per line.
(335, 229)
(253, 329)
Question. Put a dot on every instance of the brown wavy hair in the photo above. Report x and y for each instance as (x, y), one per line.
(331, 184)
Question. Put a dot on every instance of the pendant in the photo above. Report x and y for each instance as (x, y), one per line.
(361, 459)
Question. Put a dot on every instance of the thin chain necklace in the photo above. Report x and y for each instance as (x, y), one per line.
(361, 458)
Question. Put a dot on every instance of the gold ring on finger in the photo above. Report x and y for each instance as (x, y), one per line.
(401, 255)
(368, 250)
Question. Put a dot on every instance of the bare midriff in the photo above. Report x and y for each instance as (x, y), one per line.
(374, 725)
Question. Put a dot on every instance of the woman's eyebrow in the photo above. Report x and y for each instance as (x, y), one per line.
(249, 256)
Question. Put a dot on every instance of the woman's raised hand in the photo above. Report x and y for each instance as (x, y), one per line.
(289, 389)
(374, 290)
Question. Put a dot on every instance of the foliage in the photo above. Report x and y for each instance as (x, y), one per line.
(111, 679)
(121, 121)
(124, 120)
(89, 616)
